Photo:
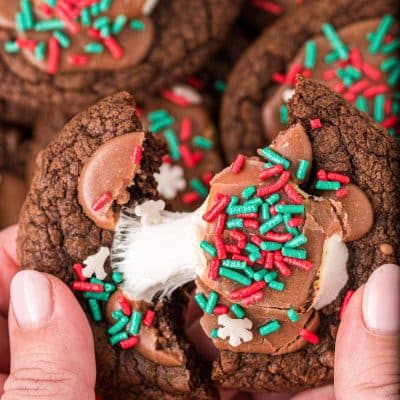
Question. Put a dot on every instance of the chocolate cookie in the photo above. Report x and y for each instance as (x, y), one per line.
(349, 45)
(72, 54)
(290, 236)
(97, 172)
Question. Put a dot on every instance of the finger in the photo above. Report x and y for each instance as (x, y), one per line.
(323, 393)
(3, 378)
(4, 346)
(367, 347)
(52, 351)
(8, 265)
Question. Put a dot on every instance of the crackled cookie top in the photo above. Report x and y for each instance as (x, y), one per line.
(61, 36)
(359, 61)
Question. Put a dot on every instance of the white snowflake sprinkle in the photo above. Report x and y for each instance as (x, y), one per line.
(95, 264)
(170, 180)
(150, 212)
(149, 6)
(237, 330)
(190, 94)
(287, 95)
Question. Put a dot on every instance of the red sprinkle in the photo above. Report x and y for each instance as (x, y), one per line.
(233, 249)
(102, 201)
(293, 71)
(329, 74)
(247, 291)
(129, 343)
(238, 164)
(341, 193)
(250, 215)
(219, 205)
(207, 176)
(296, 262)
(390, 122)
(28, 44)
(137, 153)
(174, 98)
(334, 176)
(338, 87)
(375, 90)
(78, 267)
(251, 223)
(186, 129)
(78, 59)
(220, 224)
(356, 58)
(197, 156)
(220, 309)
(166, 159)
(345, 303)
(278, 237)
(87, 287)
(252, 298)
(256, 240)
(53, 56)
(292, 194)
(294, 222)
(359, 86)
(274, 187)
(190, 197)
(309, 336)
(321, 175)
(148, 318)
(219, 245)
(113, 47)
(94, 33)
(271, 171)
(213, 272)
(125, 306)
(187, 156)
(269, 260)
(242, 258)
(268, 6)
(282, 268)
(371, 72)
(315, 123)
(278, 78)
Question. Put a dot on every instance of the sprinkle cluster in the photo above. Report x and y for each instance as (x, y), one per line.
(257, 237)
(355, 79)
(63, 19)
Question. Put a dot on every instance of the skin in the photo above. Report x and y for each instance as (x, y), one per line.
(36, 360)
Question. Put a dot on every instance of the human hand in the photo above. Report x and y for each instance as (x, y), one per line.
(48, 351)
(367, 346)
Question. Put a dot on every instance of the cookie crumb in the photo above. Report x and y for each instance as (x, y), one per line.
(386, 249)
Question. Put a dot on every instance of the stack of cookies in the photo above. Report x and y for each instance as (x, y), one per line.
(241, 156)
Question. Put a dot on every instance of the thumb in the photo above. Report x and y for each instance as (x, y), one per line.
(52, 352)
(368, 344)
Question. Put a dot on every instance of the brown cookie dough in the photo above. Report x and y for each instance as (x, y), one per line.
(196, 31)
(348, 142)
(253, 80)
(56, 233)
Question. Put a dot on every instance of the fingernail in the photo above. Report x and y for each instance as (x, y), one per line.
(31, 299)
(381, 300)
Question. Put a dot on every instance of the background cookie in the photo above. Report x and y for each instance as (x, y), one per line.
(57, 236)
(269, 60)
(74, 69)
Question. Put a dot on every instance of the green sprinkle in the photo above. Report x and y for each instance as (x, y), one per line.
(274, 157)
(203, 143)
(270, 246)
(394, 45)
(271, 223)
(117, 277)
(389, 64)
(268, 165)
(327, 185)
(273, 199)
(269, 328)
(255, 201)
(201, 300)
(283, 114)
(341, 73)
(49, 25)
(157, 115)
(380, 33)
(85, 17)
(219, 86)
(11, 47)
(211, 302)
(310, 58)
(95, 310)
(118, 24)
(290, 208)
(254, 257)
(108, 287)
(208, 248)
(173, 144)
(20, 22)
(94, 48)
(105, 31)
(161, 124)
(249, 271)
(232, 203)
(51, 3)
(103, 296)
(286, 219)
(248, 192)
(265, 214)
(118, 326)
(251, 248)
(379, 105)
(335, 41)
(270, 276)
(238, 311)
(135, 323)
(302, 169)
(117, 314)
(353, 72)
(101, 22)
(62, 38)
(137, 25)
(396, 107)
(214, 333)
(40, 51)
(297, 241)
(292, 314)
(243, 209)
(235, 223)
(26, 9)
(95, 9)
(331, 57)
(119, 337)
(347, 81)
(199, 187)
(276, 285)
(362, 104)
(259, 275)
(235, 264)
(234, 276)
(104, 5)
(295, 253)
(394, 77)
